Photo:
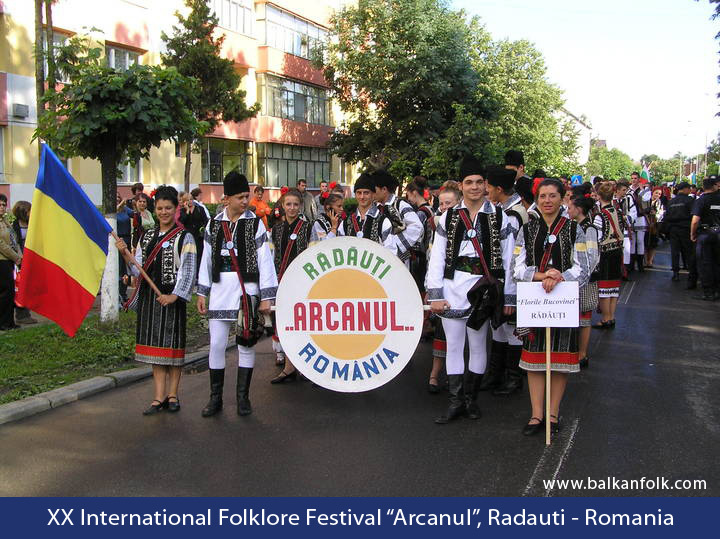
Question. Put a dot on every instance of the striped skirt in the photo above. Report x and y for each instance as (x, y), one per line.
(610, 268)
(160, 333)
(563, 355)
(588, 302)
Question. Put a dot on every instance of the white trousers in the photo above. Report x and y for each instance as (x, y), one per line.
(627, 249)
(455, 331)
(506, 333)
(639, 242)
(219, 333)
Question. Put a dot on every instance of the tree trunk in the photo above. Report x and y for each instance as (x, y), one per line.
(109, 289)
(39, 68)
(51, 78)
(188, 162)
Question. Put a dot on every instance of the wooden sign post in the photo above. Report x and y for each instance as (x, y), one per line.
(557, 309)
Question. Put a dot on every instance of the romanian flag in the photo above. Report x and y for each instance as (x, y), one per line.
(65, 249)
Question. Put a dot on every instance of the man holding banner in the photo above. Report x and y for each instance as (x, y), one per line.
(550, 250)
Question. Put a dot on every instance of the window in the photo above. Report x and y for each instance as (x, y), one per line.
(121, 59)
(235, 15)
(220, 156)
(128, 173)
(284, 98)
(59, 40)
(281, 164)
(288, 33)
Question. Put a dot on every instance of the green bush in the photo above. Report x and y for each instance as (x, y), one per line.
(350, 205)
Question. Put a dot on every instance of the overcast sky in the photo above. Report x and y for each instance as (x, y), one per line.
(644, 72)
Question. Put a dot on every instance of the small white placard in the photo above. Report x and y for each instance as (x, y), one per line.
(538, 309)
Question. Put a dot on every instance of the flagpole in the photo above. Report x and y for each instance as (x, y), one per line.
(139, 267)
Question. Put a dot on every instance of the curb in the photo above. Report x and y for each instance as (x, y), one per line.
(12, 411)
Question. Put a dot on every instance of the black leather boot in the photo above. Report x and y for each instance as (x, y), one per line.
(244, 375)
(640, 262)
(513, 372)
(457, 400)
(474, 382)
(215, 404)
(496, 367)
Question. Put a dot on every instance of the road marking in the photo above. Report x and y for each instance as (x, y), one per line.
(632, 287)
(548, 458)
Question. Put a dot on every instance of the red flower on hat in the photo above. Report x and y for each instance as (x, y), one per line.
(426, 194)
(333, 185)
(536, 185)
(284, 190)
(152, 193)
(588, 195)
(325, 194)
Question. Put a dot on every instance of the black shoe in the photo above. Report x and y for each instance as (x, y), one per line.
(244, 376)
(474, 382)
(285, 377)
(676, 276)
(585, 362)
(433, 388)
(457, 401)
(156, 408)
(531, 429)
(612, 324)
(706, 296)
(604, 325)
(692, 285)
(639, 260)
(496, 365)
(513, 372)
(217, 382)
(555, 425)
(173, 405)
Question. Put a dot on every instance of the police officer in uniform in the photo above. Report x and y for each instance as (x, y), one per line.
(705, 229)
(677, 220)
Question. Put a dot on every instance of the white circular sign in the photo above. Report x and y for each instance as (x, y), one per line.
(349, 315)
(360, 234)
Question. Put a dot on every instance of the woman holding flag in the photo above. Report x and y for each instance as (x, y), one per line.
(167, 253)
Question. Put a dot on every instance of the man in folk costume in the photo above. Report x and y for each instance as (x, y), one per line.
(627, 209)
(469, 260)
(407, 230)
(366, 221)
(642, 198)
(504, 374)
(238, 275)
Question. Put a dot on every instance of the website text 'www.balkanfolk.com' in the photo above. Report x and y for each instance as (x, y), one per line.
(615, 483)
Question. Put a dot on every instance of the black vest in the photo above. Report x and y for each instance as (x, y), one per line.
(243, 237)
(163, 270)
(281, 237)
(371, 227)
(561, 254)
(488, 227)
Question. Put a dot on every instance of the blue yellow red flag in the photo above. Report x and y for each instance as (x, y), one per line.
(65, 249)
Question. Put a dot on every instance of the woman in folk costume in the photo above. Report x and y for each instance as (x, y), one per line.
(366, 221)
(550, 250)
(449, 197)
(609, 223)
(289, 238)
(167, 254)
(326, 225)
(238, 275)
(473, 246)
(417, 194)
(581, 209)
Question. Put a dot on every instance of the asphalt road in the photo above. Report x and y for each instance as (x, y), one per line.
(649, 406)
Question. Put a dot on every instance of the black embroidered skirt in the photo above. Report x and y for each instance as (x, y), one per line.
(160, 333)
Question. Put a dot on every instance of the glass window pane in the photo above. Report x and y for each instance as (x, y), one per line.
(286, 152)
(292, 172)
(272, 172)
(314, 154)
(309, 171)
(299, 115)
(297, 152)
(326, 171)
(277, 151)
(300, 170)
(306, 155)
(283, 172)
(261, 149)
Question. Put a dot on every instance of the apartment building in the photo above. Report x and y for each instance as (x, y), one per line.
(270, 43)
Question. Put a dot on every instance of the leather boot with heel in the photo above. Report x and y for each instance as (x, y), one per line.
(456, 408)
(215, 404)
(496, 365)
(513, 372)
(474, 382)
(244, 376)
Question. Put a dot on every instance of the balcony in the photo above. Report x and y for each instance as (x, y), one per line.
(271, 60)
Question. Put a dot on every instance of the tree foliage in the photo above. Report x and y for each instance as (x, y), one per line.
(611, 164)
(422, 87)
(194, 51)
(112, 115)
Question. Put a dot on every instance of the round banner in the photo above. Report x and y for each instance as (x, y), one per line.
(349, 314)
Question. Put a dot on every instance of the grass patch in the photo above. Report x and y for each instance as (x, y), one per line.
(41, 358)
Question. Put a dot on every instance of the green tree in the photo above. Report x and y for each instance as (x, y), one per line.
(612, 164)
(195, 52)
(713, 156)
(111, 115)
(397, 68)
(529, 109)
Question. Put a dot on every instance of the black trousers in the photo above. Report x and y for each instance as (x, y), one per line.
(7, 294)
(680, 243)
(708, 253)
(123, 270)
